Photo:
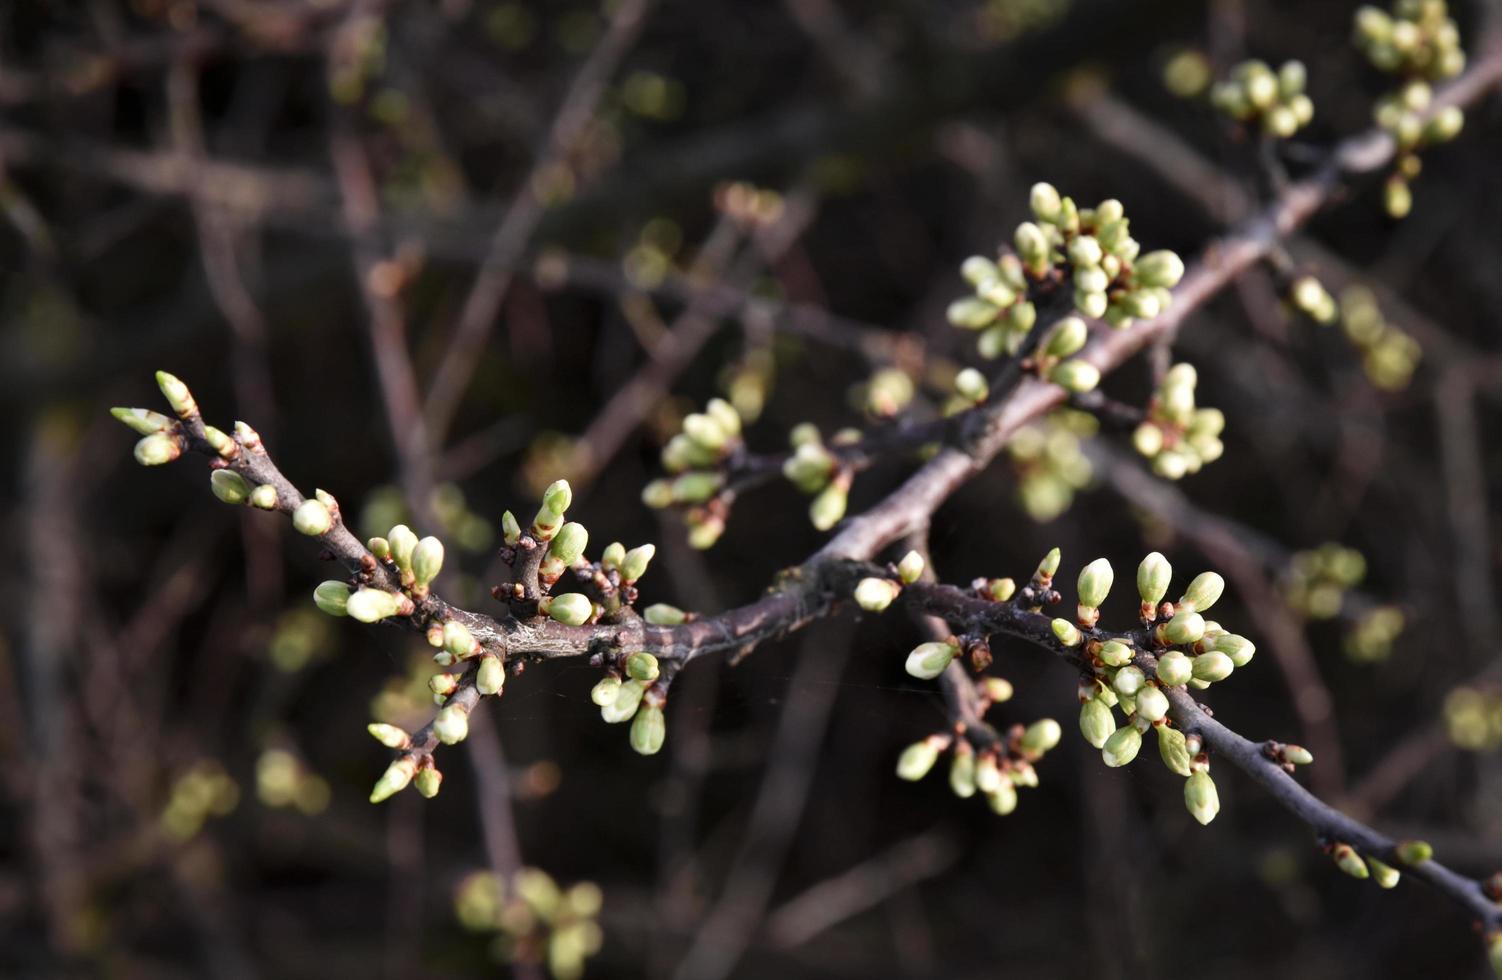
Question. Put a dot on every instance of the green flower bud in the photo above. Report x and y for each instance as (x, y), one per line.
(971, 313)
(996, 689)
(1129, 680)
(458, 640)
(1152, 703)
(157, 449)
(428, 782)
(962, 771)
(662, 614)
(642, 666)
(725, 415)
(332, 597)
(511, 531)
(829, 506)
(1200, 797)
(1032, 247)
(1092, 282)
(571, 608)
(177, 395)
(222, 443)
(1041, 736)
(1445, 125)
(558, 497)
(1085, 251)
(442, 685)
(696, 487)
(393, 780)
(876, 594)
(372, 605)
(1096, 722)
(568, 544)
(229, 486)
(1213, 666)
(1347, 860)
(1095, 582)
(918, 759)
(1066, 632)
(1397, 197)
(1076, 376)
(1003, 799)
(648, 730)
(1000, 589)
(1414, 852)
(910, 568)
(1045, 202)
(1185, 627)
(971, 385)
(606, 690)
(977, 269)
(705, 431)
(451, 724)
(490, 677)
(143, 420)
(1174, 669)
(389, 735)
(1384, 875)
(928, 660)
(1049, 566)
(634, 565)
(1066, 337)
(1162, 268)
(403, 543)
(263, 497)
(1122, 747)
(613, 555)
(427, 560)
(1173, 749)
(1202, 592)
(1238, 648)
(627, 700)
(1114, 653)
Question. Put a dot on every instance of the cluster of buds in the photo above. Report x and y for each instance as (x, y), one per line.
(1389, 356)
(1178, 436)
(1371, 637)
(999, 308)
(1317, 580)
(534, 920)
(1257, 95)
(1055, 359)
(285, 781)
(696, 457)
(1365, 866)
(1419, 42)
(1473, 717)
(635, 690)
(1049, 462)
(875, 594)
(814, 469)
(204, 791)
(995, 771)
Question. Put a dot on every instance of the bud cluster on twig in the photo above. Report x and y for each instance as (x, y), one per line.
(533, 919)
(1254, 94)
(1179, 436)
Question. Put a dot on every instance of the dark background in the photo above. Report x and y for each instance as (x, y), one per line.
(142, 616)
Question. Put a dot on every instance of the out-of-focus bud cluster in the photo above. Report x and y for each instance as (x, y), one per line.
(299, 637)
(470, 531)
(1317, 580)
(1053, 361)
(696, 458)
(1388, 355)
(999, 21)
(814, 469)
(204, 791)
(284, 781)
(1419, 42)
(1370, 639)
(887, 393)
(1049, 462)
(747, 382)
(1177, 435)
(1473, 718)
(534, 919)
(1254, 94)
(999, 309)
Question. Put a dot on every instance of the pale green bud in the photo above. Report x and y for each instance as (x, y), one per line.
(389, 735)
(1445, 125)
(332, 597)
(1129, 680)
(910, 568)
(829, 506)
(634, 564)
(1114, 653)
(1003, 799)
(1173, 749)
(1066, 337)
(642, 666)
(1238, 648)
(606, 690)
(222, 443)
(511, 531)
(490, 676)
(1045, 202)
(977, 269)
(1000, 589)
(263, 497)
(457, 639)
(1032, 246)
(662, 614)
(1122, 747)
(1075, 376)
(177, 395)
(157, 449)
(143, 420)
(1298, 755)
(558, 497)
(725, 415)
(1174, 669)
(1213, 666)
(1162, 268)
(613, 555)
(918, 759)
(569, 543)
(928, 660)
(1096, 722)
(1041, 736)
(451, 724)
(1066, 632)
(876, 594)
(1093, 282)
(229, 486)
(1141, 303)
(403, 543)
(1347, 860)
(571, 608)
(1200, 797)
(427, 560)
(1085, 251)
(1185, 627)
(1095, 582)
(1414, 852)
(627, 699)
(372, 605)
(1152, 703)
(1292, 79)
(696, 487)
(393, 780)
(971, 385)
(971, 313)
(1202, 592)
(1384, 875)
(648, 730)
(442, 685)
(962, 771)
(705, 431)
(1048, 567)
(428, 782)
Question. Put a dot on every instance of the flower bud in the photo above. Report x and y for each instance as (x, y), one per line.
(1202, 592)
(1096, 722)
(229, 486)
(1114, 653)
(1095, 582)
(634, 563)
(1347, 860)
(403, 542)
(1000, 589)
(962, 770)
(372, 605)
(910, 568)
(143, 420)
(1185, 627)
(1085, 251)
(158, 448)
(568, 544)
(1032, 247)
(648, 730)
(558, 497)
(458, 640)
(987, 774)
(511, 531)
(332, 598)
(427, 560)
(971, 385)
(442, 685)
(662, 614)
(1003, 799)
(705, 431)
(1129, 681)
(876, 594)
(1153, 576)
(1200, 797)
(1238, 648)
(1161, 268)
(1049, 566)
(627, 699)
(996, 689)
(1173, 749)
(1174, 669)
(571, 608)
(389, 735)
(490, 677)
(1044, 200)
(918, 759)
(1414, 852)
(605, 690)
(177, 395)
(451, 724)
(642, 666)
(1066, 632)
(613, 555)
(971, 313)
(394, 779)
(1152, 703)
(1041, 736)
(263, 497)
(1213, 666)
(1076, 376)
(1122, 747)
(928, 660)
(428, 782)
(829, 506)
